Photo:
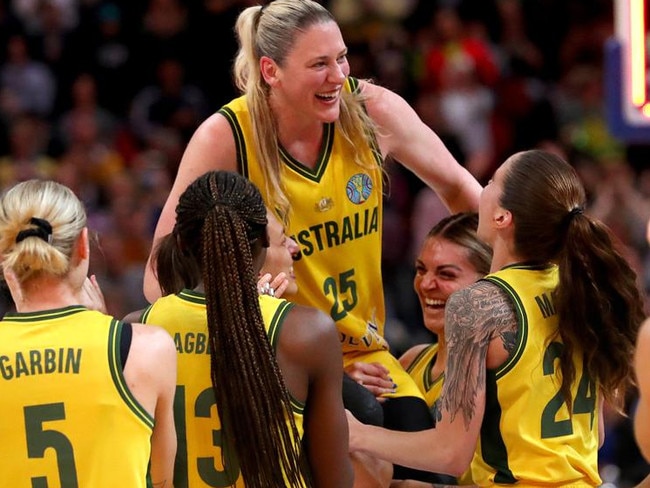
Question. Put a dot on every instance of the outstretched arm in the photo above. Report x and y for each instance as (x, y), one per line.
(403, 135)
(212, 147)
(478, 320)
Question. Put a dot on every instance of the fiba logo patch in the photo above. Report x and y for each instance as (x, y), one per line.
(359, 188)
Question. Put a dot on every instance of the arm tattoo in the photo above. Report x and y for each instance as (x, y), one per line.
(474, 316)
(509, 339)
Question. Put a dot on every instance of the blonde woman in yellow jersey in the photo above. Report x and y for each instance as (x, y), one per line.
(258, 376)
(86, 400)
(533, 349)
(313, 140)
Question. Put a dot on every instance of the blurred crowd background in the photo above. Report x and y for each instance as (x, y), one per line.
(104, 95)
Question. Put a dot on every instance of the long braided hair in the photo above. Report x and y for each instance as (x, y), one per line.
(221, 224)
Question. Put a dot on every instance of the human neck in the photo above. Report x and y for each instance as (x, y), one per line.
(46, 294)
(300, 137)
(503, 255)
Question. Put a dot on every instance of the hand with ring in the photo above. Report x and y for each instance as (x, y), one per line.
(275, 287)
(266, 289)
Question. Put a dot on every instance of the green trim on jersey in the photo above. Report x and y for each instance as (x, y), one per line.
(192, 296)
(43, 314)
(419, 357)
(323, 157)
(240, 141)
(426, 379)
(297, 406)
(115, 365)
(276, 323)
(93, 430)
(335, 217)
(204, 458)
(353, 86)
(522, 324)
(273, 333)
(145, 314)
(528, 435)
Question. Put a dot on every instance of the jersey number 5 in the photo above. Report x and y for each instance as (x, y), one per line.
(39, 439)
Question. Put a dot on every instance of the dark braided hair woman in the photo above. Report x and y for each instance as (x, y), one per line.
(273, 369)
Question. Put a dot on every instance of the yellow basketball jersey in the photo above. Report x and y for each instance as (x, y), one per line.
(528, 436)
(67, 417)
(420, 371)
(336, 219)
(202, 460)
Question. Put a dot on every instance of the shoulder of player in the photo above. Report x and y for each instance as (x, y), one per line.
(380, 101)
(406, 359)
(212, 144)
(152, 340)
(308, 324)
(308, 333)
(481, 306)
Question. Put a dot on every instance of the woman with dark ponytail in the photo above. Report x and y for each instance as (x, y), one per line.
(536, 347)
(272, 368)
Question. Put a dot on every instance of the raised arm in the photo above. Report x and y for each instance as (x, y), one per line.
(642, 367)
(403, 135)
(211, 147)
(309, 342)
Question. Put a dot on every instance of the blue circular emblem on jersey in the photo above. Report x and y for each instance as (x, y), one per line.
(359, 188)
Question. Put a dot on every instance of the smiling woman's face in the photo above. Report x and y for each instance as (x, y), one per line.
(441, 268)
(279, 254)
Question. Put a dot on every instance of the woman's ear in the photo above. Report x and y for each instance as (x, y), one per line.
(13, 285)
(269, 70)
(502, 218)
(83, 245)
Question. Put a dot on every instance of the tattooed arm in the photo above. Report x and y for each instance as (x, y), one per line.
(480, 327)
